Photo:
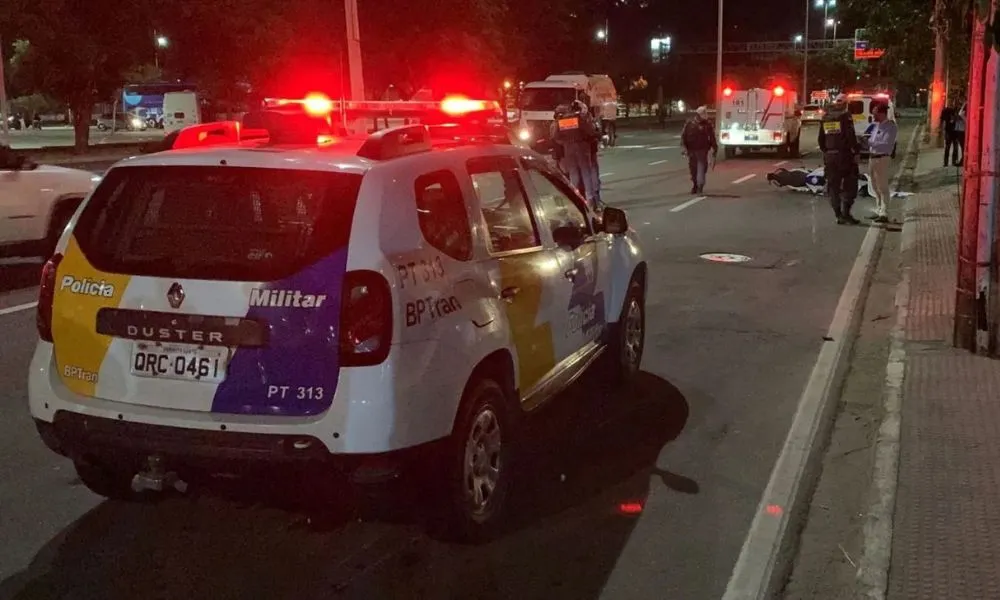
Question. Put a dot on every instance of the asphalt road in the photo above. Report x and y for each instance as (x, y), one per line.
(639, 494)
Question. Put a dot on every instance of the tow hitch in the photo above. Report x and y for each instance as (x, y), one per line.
(156, 478)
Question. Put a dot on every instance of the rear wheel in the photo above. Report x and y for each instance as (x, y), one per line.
(796, 149)
(480, 462)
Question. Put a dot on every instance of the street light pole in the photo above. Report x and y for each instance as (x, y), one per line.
(718, 77)
(805, 56)
(354, 50)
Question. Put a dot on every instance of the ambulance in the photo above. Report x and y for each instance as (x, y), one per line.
(861, 106)
(539, 99)
(760, 118)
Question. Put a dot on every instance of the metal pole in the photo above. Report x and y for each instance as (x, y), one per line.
(354, 50)
(826, 16)
(3, 98)
(805, 56)
(966, 288)
(718, 77)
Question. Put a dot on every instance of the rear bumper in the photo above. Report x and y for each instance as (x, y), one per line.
(127, 445)
(765, 140)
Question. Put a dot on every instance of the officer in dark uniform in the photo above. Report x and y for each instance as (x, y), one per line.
(841, 153)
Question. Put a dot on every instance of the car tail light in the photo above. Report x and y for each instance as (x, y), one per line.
(46, 295)
(777, 135)
(365, 319)
(725, 135)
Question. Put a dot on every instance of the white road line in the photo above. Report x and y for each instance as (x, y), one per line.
(677, 137)
(745, 178)
(608, 174)
(18, 308)
(781, 162)
(690, 202)
(657, 162)
(663, 147)
(631, 147)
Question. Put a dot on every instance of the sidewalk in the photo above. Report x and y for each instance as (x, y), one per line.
(946, 526)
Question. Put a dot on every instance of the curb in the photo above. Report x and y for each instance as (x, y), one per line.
(769, 548)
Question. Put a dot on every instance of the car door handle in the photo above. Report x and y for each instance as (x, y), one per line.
(571, 274)
(508, 293)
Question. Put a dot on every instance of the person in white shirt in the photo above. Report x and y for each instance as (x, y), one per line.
(880, 146)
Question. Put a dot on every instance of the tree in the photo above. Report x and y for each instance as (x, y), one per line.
(223, 44)
(452, 44)
(76, 52)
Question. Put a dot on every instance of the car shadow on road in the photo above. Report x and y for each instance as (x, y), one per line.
(590, 461)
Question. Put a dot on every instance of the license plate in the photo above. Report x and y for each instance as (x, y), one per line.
(179, 361)
(752, 137)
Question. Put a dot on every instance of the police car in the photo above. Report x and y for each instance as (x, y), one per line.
(296, 297)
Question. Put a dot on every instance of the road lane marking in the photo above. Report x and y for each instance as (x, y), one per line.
(781, 162)
(631, 147)
(608, 174)
(690, 202)
(13, 309)
(745, 178)
(663, 147)
(657, 162)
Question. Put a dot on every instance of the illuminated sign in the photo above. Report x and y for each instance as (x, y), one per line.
(861, 49)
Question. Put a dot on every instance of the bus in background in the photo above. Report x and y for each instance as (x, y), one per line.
(146, 99)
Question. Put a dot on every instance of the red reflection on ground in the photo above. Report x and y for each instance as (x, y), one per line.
(630, 508)
(774, 510)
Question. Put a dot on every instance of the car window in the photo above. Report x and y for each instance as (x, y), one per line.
(219, 223)
(442, 215)
(811, 107)
(856, 107)
(505, 209)
(557, 203)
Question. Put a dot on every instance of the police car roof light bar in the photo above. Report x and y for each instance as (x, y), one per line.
(215, 134)
(454, 106)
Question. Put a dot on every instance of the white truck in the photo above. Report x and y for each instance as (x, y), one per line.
(539, 99)
(758, 118)
(36, 203)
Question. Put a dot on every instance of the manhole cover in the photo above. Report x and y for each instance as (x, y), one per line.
(723, 257)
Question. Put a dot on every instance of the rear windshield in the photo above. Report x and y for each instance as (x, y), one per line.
(856, 107)
(544, 99)
(811, 107)
(216, 222)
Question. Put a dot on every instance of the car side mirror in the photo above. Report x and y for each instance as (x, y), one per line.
(614, 220)
(569, 236)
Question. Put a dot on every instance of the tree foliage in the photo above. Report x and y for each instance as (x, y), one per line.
(905, 29)
(75, 52)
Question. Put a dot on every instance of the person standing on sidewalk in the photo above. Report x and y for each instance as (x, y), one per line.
(841, 153)
(960, 134)
(948, 117)
(698, 138)
(880, 145)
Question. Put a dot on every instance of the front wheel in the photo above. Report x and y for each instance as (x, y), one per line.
(481, 461)
(628, 337)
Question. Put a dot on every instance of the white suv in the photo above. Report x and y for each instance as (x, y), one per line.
(36, 203)
(327, 305)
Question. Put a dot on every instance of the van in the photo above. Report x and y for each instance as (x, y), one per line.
(180, 109)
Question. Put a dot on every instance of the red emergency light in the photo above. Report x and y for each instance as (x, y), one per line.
(779, 91)
(727, 92)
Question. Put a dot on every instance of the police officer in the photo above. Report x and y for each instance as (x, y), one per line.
(841, 155)
(573, 130)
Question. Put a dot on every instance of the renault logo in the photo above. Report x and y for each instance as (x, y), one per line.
(175, 295)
